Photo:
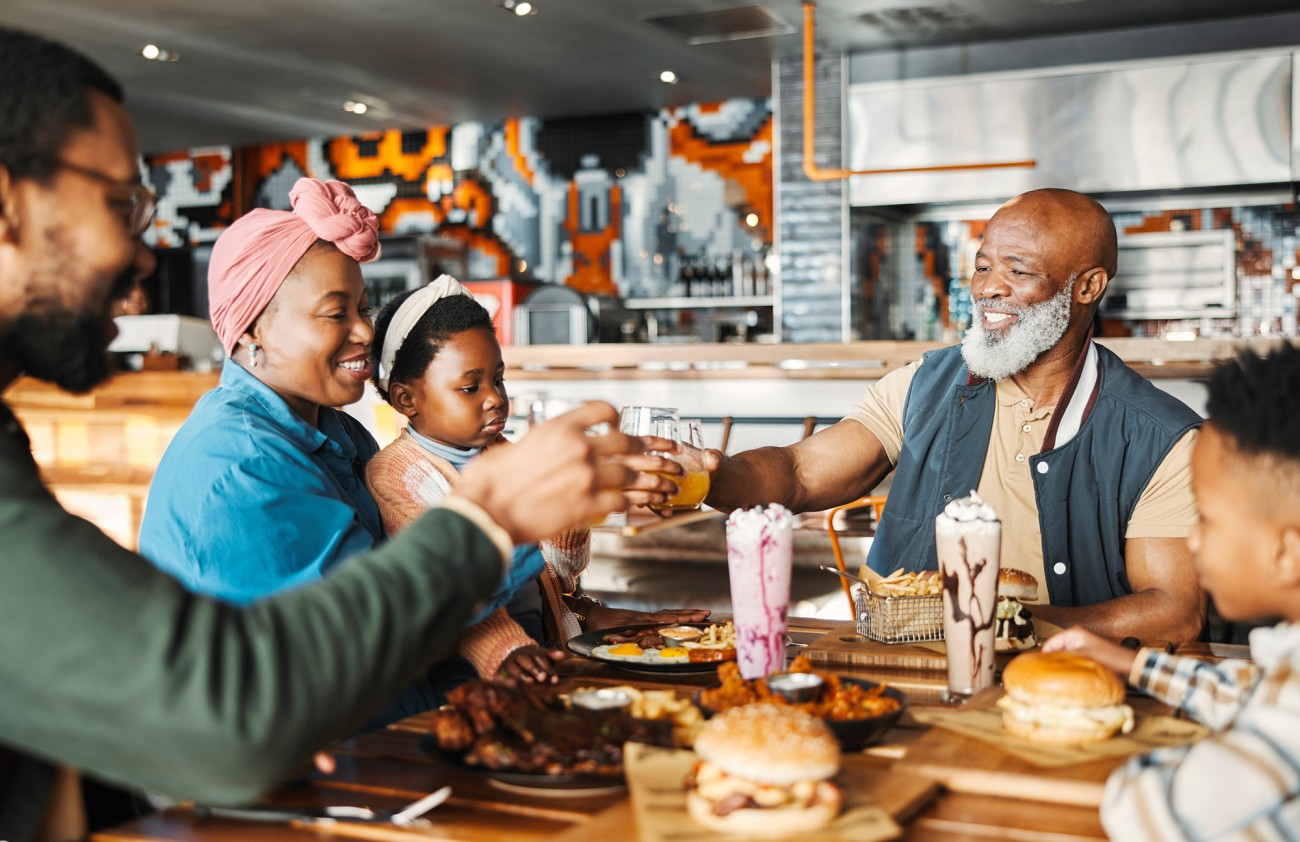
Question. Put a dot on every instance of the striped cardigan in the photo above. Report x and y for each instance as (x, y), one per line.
(1243, 781)
(406, 480)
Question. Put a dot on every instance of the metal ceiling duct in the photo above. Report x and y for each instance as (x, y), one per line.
(721, 25)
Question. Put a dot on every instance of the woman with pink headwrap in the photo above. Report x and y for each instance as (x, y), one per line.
(263, 487)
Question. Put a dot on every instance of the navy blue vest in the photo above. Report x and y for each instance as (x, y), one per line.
(1085, 489)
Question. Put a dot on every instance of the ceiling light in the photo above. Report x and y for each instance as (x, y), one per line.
(668, 77)
(153, 52)
(751, 219)
(519, 7)
(355, 107)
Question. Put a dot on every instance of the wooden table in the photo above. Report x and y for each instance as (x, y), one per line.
(391, 768)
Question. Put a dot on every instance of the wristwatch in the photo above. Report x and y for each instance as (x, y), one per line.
(581, 605)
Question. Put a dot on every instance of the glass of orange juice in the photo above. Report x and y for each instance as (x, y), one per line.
(693, 485)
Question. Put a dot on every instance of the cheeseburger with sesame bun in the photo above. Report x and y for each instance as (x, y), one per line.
(764, 770)
(1015, 626)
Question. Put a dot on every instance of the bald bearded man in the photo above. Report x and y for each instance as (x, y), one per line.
(1086, 462)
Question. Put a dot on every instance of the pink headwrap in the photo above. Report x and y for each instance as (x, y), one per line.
(254, 255)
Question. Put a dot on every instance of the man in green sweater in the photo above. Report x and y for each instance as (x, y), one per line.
(108, 665)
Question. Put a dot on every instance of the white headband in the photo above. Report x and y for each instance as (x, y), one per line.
(408, 314)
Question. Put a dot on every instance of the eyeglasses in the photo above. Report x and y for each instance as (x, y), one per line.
(141, 202)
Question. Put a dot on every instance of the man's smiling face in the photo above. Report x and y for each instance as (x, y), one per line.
(1022, 296)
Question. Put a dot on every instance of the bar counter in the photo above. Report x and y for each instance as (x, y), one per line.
(392, 767)
(98, 450)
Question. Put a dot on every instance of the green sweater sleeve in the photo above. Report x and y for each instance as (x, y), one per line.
(109, 665)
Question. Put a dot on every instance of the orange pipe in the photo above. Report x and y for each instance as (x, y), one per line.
(810, 168)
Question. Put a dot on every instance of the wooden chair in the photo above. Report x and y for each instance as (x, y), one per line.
(726, 434)
(878, 506)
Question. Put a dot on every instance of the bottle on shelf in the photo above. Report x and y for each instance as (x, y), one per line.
(688, 276)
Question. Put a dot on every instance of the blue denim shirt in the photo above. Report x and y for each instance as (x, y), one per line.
(250, 499)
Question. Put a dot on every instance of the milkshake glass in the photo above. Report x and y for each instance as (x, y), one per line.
(760, 553)
(968, 540)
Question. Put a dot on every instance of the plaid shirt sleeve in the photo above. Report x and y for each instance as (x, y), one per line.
(1243, 781)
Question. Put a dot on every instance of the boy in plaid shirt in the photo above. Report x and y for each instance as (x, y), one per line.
(1243, 781)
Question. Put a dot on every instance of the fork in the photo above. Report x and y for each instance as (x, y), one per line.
(404, 817)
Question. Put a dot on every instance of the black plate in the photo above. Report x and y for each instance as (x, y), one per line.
(524, 779)
(584, 644)
(854, 734)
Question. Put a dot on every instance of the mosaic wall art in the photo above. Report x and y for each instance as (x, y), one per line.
(612, 204)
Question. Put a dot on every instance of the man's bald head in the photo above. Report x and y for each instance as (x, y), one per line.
(1081, 230)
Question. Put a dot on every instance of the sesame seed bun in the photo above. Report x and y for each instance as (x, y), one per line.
(1017, 584)
(769, 744)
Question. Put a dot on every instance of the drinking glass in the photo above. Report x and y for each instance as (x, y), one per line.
(693, 485)
(969, 553)
(542, 409)
(760, 556)
(637, 420)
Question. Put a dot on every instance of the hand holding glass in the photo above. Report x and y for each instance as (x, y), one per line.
(693, 484)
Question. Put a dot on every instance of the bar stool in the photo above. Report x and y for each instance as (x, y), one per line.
(878, 506)
(726, 434)
(809, 424)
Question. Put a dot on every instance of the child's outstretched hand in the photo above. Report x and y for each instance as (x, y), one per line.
(529, 665)
(1078, 639)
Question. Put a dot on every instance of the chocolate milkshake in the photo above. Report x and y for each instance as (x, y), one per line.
(968, 539)
(760, 553)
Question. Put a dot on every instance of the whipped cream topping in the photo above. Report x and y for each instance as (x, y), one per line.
(968, 509)
(769, 517)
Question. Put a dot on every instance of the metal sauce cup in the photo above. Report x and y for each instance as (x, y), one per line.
(678, 635)
(795, 686)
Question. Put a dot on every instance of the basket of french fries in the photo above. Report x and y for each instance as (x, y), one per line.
(901, 607)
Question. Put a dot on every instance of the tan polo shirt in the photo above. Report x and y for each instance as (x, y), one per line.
(1166, 508)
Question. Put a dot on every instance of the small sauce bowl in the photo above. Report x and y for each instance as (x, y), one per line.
(795, 686)
(603, 699)
(678, 635)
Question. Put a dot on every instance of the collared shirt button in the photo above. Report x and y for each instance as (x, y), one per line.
(1025, 428)
(1058, 568)
(1020, 457)
(1042, 467)
(1025, 402)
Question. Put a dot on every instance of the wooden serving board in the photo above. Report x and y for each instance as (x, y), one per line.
(900, 793)
(849, 649)
(966, 764)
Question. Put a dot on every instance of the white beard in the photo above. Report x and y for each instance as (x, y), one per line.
(1035, 330)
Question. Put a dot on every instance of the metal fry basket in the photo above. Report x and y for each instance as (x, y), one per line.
(898, 619)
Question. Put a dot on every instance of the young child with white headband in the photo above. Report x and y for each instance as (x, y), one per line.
(437, 362)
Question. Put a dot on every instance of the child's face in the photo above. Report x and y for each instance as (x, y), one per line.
(1234, 542)
(461, 400)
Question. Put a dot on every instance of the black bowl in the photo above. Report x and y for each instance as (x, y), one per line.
(854, 734)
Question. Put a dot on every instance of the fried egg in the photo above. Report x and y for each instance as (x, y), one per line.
(635, 654)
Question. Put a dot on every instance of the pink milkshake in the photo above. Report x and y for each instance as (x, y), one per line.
(760, 553)
(968, 538)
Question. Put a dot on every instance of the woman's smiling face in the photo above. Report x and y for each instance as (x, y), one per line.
(314, 337)
(461, 399)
